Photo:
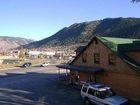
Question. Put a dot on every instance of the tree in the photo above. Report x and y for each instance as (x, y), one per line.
(21, 54)
(135, 1)
(40, 56)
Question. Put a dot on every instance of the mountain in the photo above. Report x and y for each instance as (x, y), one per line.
(7, 42)
(68, 35)
(119, 27)
(81, 33)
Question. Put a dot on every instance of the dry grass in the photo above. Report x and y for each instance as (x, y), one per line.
(4, 66)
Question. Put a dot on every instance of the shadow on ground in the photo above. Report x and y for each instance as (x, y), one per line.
(34, 88)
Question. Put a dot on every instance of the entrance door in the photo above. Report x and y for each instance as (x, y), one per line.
(91, 78)
(97, 77)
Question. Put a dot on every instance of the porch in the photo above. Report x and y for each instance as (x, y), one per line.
(77, 75)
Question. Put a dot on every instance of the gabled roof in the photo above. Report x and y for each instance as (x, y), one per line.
(114, 44)
(121, 46)
(79, 49)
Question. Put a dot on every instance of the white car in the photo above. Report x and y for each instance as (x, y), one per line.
(44, 64)
(100, 94)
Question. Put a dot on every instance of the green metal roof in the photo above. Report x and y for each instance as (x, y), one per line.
(113, 43)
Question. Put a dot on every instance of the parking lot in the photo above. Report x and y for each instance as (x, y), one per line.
(36, 86)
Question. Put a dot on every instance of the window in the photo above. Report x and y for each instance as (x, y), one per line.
(97, 94)
(96, 41)
(111, 59)
(107, 93)
(84, 58)
(94, 92)
(96, 58)
(84, 89)
(91, 91)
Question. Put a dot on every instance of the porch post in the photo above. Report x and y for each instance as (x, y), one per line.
(59, 73)
(66, 73)
(95, 77)
(78, 79)
(67, 76)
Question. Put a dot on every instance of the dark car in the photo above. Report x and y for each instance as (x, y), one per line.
(27, 64)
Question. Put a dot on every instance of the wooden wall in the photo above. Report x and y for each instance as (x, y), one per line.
(120, 76)
(135, 56)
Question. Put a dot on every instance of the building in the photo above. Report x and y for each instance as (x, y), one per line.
(111, 61)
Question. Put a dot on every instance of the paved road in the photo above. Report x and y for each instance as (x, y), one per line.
(35, 86)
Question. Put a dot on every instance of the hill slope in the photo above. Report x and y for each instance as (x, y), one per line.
(7, 42)
(79, 33)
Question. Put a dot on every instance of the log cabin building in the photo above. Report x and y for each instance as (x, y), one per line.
(111, 61)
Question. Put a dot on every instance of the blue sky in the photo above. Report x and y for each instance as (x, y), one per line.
(38, 19)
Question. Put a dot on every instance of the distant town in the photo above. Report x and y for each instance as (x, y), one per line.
(22, 55)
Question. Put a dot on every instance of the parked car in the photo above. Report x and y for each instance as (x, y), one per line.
(99, 94)
(44, 64)
(27, 64)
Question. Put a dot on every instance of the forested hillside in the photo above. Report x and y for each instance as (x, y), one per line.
(79, 33)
